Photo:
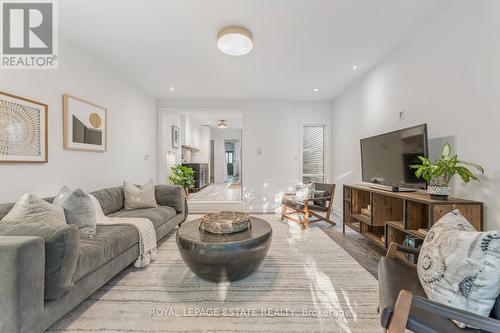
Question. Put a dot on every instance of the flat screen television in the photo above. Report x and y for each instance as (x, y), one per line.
(386, 158)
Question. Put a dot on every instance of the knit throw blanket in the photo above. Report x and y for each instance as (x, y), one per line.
(147, 237)
(145, 229)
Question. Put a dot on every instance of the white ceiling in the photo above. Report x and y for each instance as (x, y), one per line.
(298, 44)
(233, 119)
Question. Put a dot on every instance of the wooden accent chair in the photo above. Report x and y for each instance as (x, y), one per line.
(311, 207)
(404, 305)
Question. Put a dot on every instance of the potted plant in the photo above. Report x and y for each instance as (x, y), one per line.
(440, 173)
(183, 176)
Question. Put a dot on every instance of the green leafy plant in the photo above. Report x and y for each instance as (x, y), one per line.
(442, 171)
(183, 176)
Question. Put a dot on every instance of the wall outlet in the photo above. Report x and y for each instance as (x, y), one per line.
(401, 115)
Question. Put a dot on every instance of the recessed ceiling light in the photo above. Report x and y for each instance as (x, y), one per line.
(316, 89)
(235, 41)
(355, 67)
(171, 88)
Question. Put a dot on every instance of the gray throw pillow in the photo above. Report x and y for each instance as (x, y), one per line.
(322, 198)
(79, 210)
(30, 208)
(139, 196)
(459, 266)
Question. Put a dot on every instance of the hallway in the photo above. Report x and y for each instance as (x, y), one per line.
(217, 192)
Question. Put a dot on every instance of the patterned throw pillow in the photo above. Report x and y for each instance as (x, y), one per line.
(79, 210)
(30, 208)
(459, 266)
(139, 196)
(303, 192)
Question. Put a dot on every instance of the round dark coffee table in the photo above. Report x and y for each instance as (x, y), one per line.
(228, 257)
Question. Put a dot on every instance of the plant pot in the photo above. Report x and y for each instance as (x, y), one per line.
(439, 192)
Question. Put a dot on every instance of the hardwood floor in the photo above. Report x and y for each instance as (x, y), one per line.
(357, 246)
(361, 249)
(217, 192)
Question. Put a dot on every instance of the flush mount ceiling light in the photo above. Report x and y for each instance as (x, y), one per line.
(235, 41)
(316, 89)
(222, 124)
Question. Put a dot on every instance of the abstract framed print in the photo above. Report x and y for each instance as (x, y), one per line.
(85, 125)
(23, 130)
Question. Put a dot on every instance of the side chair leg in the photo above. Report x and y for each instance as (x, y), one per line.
(283, 212)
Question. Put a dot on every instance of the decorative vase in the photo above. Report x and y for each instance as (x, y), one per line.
(439, 192)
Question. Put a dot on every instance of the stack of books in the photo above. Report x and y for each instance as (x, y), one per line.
(415, 243)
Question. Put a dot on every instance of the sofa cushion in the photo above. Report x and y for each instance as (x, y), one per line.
(170, 195)
(61, 250)
(158, 215)
(459, 266)
(300, 205)
(78, 209)
(111, 199)
(108, 242)
(30, 208)
(393, 276)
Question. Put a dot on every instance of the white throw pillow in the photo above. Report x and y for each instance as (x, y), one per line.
(79, 210)
(459, 266)
(30, 208)
(304, 192)
(139, 197)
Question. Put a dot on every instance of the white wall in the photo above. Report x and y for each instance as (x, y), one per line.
(131, 127)
(167, 120)
(219, 135)
(446, 75)
(273, 128)
(205, 134)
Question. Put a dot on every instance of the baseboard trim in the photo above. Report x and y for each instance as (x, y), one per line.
(338, 211)
(199, 207)
(214, 206)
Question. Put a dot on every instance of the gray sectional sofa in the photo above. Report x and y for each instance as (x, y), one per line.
(46, 269)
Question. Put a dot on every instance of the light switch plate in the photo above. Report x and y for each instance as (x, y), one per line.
(401, 115)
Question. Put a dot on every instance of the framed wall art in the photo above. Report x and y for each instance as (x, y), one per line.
(23, 130)
(176, 137)
(85, 125)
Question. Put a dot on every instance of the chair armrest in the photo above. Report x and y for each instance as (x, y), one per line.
(394, 247)
(468, 318)
(22, 270)
(406, 301)
(171, 195)
(319, 198)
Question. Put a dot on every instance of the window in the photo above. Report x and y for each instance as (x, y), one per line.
(313, 153)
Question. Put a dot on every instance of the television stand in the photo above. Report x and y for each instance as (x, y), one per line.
(384, 216)
(392, 188)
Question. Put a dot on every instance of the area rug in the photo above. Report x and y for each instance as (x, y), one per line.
(307, 283)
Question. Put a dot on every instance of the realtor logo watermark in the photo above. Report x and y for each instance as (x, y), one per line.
(29, 34)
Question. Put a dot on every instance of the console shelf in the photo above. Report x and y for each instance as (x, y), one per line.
(394, 215)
